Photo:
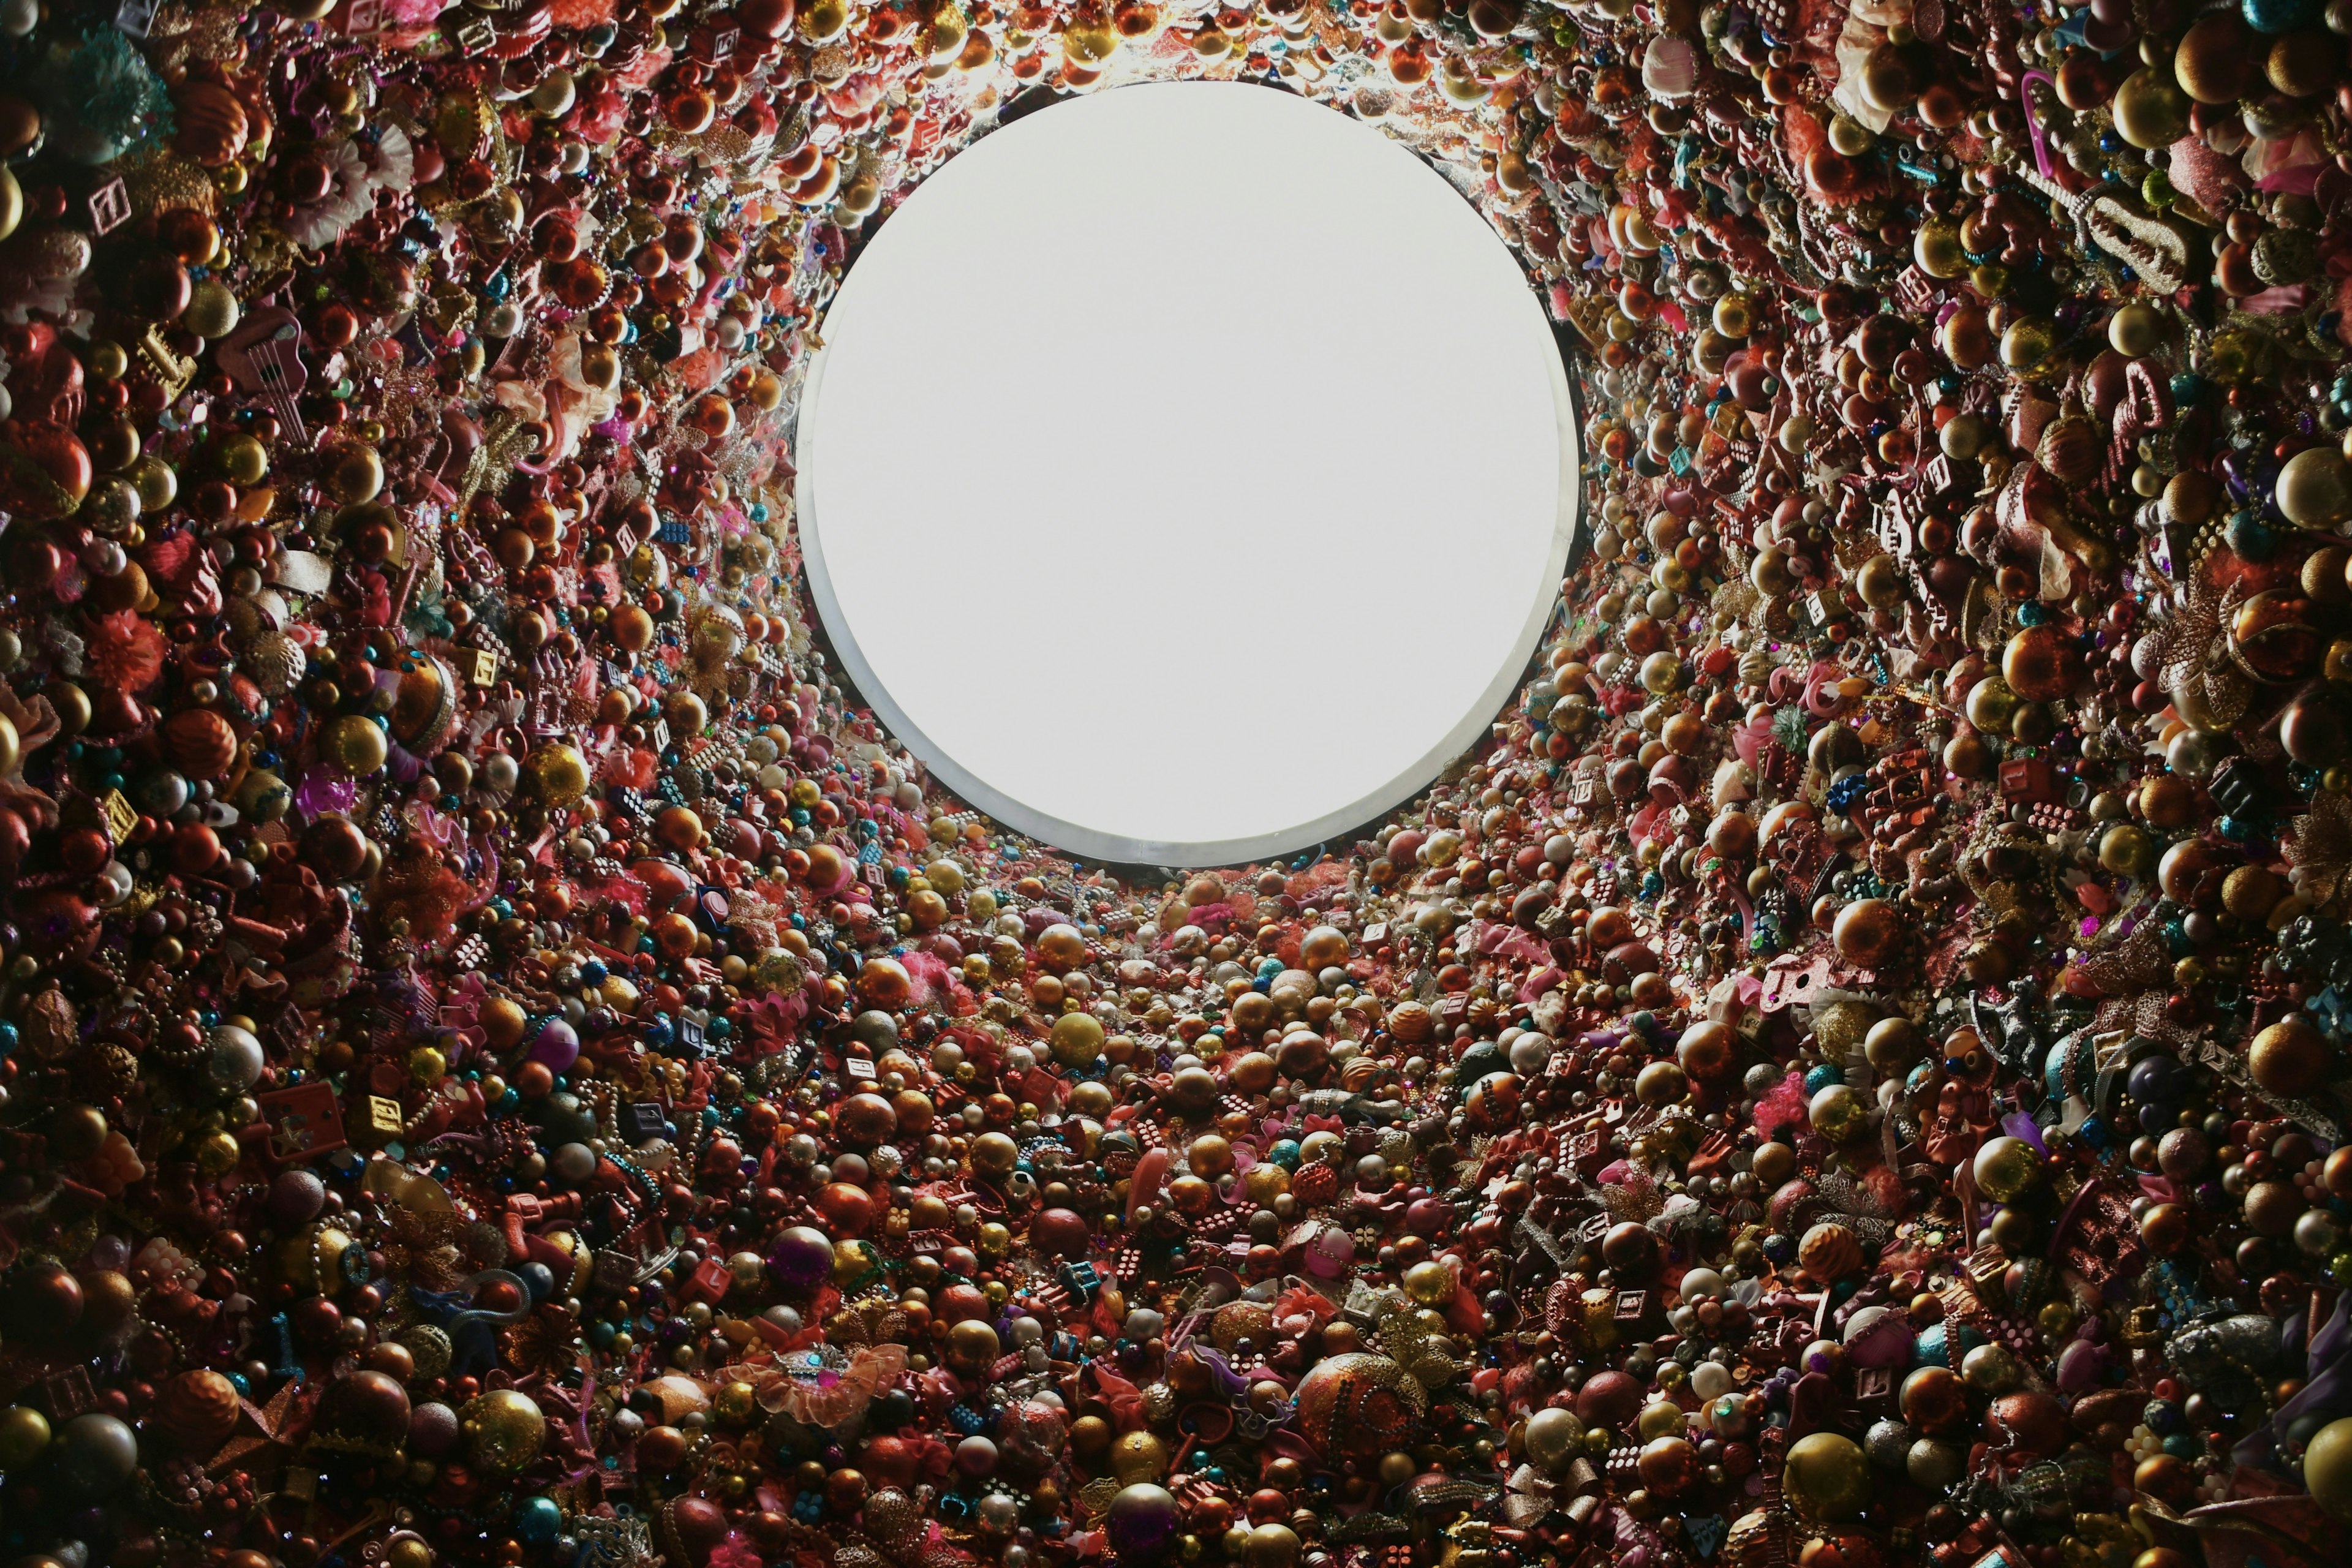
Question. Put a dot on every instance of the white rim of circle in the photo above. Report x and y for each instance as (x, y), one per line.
(1094, 844)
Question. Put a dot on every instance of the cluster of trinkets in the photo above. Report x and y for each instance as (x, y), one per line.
(502, 1062)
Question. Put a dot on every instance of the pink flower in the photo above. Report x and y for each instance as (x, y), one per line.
(734, 1552)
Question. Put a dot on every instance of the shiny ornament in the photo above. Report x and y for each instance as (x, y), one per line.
(1867, 932)
(197, 1411)
(1829, 1251)
(1141, 1520)
(1826, 1477)
(1554, 1437)
(2289, 1057)
(2041, 665)
(425, 705)
(2273, 636)
(2150, 109)
(94, 1454)
(356, 745)
(367, 1412)
(2327, 1468)
(2005, 1169)
(1838, 1114)
(202, 743)
(1358, 1405)
(504, 1431)
(25, 1436)
(2315, 488)
(557, 774)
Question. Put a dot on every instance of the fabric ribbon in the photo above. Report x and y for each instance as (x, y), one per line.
(1126, 1400)
(2328, 1365)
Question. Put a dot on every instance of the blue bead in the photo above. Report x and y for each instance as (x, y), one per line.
(538, 1520)
(2251, 537)
(2280, 16)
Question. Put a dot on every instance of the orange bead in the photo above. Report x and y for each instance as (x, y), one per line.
(673, 936)
(678, 827)
(712, 414)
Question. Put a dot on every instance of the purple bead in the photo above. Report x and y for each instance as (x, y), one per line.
(297, 1196)
(2156, 1080)
(1142, 1521)
(432, 1429)
(801, 1258)
(557, 1045)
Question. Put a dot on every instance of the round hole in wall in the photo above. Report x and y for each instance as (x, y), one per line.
(1187, 474)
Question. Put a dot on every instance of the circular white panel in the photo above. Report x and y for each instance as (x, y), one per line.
(1187, 474)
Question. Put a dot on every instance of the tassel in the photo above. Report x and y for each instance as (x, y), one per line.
(108, 100)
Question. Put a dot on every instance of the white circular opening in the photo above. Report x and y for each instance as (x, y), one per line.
(1187, 474)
